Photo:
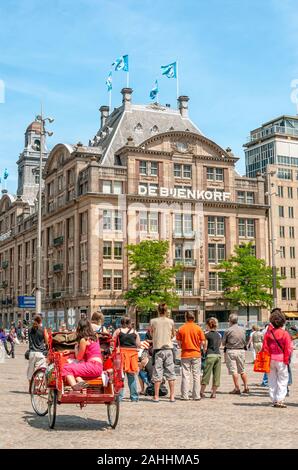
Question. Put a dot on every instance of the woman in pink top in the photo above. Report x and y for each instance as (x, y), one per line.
(88, 355)
(277, 342)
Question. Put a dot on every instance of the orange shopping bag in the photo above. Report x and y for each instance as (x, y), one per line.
(262, 362)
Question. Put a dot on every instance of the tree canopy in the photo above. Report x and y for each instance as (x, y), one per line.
(153, 281)
(247, 280)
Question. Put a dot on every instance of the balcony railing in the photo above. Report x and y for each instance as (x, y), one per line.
(58, 241)
(58, 267)
(267, 132)
(188, 292)
(188, 235)
(4, 264)
(188, 263)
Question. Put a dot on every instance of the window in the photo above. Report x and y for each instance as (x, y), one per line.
(107, 187)
(117, 187)
(212, 282)
(292, 232)
(283, 271)
(187, 173)
(291, 212)
(241, 197)
(83, 252)
(118, 220)
(179, 281)
(143, 167)
(282, 231)
(83, 222)
(246, 228)
(107, 250)
(288, 293)
(148, 168)
(154, 169)
(118, 280)
(216, 226)
(281, 211)
(212, 253)
(293, 273)
(188, 281)
(292, 252)
(107, 279)
(290, 192)
(280, 191)
(177, 170)
(60, 183)
(215, 174)
(118, 250)
(250, 198)
(143, 222)
(241, 227)
(107, 220)
(153, 222)
(282, 251)
(178, 252)
(183, 224)
(216, 252)
(182, 171)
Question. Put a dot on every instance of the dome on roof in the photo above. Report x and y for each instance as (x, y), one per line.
(34, 126)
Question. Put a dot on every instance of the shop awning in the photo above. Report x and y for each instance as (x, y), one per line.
(291, 314)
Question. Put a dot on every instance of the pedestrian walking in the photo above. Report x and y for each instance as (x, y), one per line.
(278, 343)
(38, 342)
(12, 338)
(213, 358)
(255, 340)
(191, 338)
(3, 340)
(129, 341)
(234, 342)
(162, 330)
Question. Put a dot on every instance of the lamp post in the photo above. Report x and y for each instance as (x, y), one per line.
(43, 132)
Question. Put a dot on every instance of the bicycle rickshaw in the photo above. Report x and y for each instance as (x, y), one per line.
(49, 382)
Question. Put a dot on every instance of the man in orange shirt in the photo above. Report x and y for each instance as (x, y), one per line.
(190, 337)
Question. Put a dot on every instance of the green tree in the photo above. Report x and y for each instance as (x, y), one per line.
(152, 279)
(246, 279)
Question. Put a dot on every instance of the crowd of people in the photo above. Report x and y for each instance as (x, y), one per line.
(150, 364)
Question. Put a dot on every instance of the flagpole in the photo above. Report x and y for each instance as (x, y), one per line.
(127, 79)
(110, 100)
(177, 80)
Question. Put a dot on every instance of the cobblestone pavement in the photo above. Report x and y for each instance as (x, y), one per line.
(227, 422)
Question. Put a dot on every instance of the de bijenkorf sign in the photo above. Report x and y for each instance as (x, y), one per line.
(26, 301)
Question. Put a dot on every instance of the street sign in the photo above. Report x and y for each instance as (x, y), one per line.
(26, 301)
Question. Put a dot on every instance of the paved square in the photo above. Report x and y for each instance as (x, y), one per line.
(227, 422)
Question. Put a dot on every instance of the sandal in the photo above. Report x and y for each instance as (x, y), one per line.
(235, 392)
(246, 390)
(213, 395)
(79, 386)
(202, 395)
(280, 405)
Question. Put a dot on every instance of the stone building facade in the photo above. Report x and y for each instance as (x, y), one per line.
(149, 173)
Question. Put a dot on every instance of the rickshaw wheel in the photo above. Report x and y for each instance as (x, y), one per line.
(113, 410)
(38, 391)
(52, 407)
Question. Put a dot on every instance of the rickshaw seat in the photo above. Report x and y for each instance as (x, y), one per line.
(97, 381)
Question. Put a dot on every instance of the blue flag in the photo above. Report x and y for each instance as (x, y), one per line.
(109, 81)
(5, 174)
(169, 70)
(121, 63)
(154, 91)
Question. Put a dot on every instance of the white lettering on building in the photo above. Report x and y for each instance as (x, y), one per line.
(184, 193)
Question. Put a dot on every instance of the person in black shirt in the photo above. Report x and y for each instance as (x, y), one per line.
(213, 358)
(38, 342)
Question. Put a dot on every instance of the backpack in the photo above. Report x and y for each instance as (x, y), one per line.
(163, 391)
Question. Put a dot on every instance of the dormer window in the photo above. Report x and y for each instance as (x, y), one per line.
(154, 129)
(138, 127)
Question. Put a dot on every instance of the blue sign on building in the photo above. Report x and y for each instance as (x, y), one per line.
(26, 301)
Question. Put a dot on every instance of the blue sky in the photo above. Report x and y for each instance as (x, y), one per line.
(236, 62)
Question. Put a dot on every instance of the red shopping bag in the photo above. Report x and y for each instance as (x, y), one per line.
(262, 362)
